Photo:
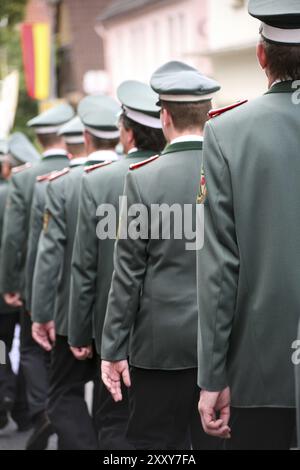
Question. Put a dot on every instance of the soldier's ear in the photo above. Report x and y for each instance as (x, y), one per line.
(261, 55)
(130, 137)
(87, 142)
(166, 118)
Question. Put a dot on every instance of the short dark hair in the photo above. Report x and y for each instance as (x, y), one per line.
(76, 149)
(103, 144)
(48, 140)
(146, 138)
(188, 115)
(283, 60)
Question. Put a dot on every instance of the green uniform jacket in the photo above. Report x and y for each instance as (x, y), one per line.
(51, 284)
(92, 264)
(4, 308)
(35, 229)
(153, 293)
(248, 276)
(16, 222)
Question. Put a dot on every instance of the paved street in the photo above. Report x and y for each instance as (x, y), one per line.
(10, 439)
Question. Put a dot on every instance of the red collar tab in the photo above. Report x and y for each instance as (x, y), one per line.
(135, 166)
(19, 169)
(58, 174)
(217, 112)
(42, 178)
(91, 168)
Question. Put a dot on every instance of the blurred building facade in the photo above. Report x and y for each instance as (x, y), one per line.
(79, 54)
(141, 35)
(103, 42)
(216, 36)
(232, 38)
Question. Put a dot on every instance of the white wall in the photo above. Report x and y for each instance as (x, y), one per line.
(136, 46)
(232, 38)
(240, 77)
(230, 27)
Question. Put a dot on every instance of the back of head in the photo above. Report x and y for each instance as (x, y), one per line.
(140, 114)
(187, 116)
(72, 133)
(185, 94)
(48, 123)
(146, 138)
(283, 60)
(49, 140)
(280, 36)
(99, 117)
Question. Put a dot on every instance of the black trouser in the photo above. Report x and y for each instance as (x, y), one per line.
(67, 409)
(12, 386)
(112, 420)
(35, 362)
(164, 411)
(8, 379)
(261, 429)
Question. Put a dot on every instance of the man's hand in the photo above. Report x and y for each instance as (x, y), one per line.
(44, 334)
(211, 405)
(111, 373)
(81, 354)
(13, 299)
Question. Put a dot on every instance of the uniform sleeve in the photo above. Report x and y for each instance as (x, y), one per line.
(36, 225)
(50, 256)
(3, 197)
(130, 262)
(13, 238)
(218, 269)
(84, 271)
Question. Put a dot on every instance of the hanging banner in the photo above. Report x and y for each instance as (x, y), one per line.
(36, 47)
(9, 92)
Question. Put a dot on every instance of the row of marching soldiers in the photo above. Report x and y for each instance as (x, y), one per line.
(133, 299)
(56, 271)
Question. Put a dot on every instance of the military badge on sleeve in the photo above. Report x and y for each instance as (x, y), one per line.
(46, 221)
(202, 189)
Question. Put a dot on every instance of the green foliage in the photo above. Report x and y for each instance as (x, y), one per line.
(11, 14)
(13, 10)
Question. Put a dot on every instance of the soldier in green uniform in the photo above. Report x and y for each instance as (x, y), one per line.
(14, 152)
(14, 251)
(72, 133)
(152, 308)
(51, 286)
(92, 266)
(248, 271)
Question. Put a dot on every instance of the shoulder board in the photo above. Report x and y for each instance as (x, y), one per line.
(19, 169)
(135, 166)
(42, 178)
(58, 174)
(217, 112)
(91, 168)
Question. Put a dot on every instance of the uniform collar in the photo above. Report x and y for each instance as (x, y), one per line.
(102, 156)
(134, 149)
(282, 87)
(187, 138)
(183, 146)
(55, 152)
(77, 161)
(144, 154)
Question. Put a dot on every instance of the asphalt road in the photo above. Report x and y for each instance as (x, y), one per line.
(11, 439)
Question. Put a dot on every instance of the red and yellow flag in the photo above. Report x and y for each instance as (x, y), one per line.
(36, 47)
